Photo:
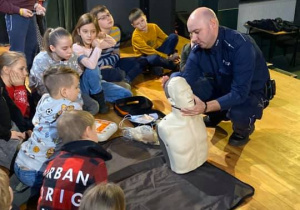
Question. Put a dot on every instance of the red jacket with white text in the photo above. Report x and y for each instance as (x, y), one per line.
(78, 165)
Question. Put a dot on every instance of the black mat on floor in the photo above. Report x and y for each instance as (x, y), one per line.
(149, 184)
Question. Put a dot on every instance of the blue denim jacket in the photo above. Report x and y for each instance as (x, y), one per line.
(234, 63)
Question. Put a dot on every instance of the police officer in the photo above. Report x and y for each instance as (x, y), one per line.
(228, 72)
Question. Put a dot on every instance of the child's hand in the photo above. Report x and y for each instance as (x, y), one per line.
(16, 79)
(18, 135)
(97, 43)
(174, 57)
(101, 35)
(164, 80)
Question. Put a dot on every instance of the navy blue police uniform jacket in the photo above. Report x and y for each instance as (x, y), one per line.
(235, 64)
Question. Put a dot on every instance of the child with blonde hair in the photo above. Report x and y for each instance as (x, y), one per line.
(6, 195)
(104, 196)
(79, 164)
(62, 85)
(14, 106)
(13, 70)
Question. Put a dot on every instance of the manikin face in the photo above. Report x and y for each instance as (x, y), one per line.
(202, 32)
(105, 20)
(73, 91)
(140, 23)
(63, 48)
(181, 93)
(87, 33)
(19, 68)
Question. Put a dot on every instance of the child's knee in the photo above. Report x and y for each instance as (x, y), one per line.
(173, 36)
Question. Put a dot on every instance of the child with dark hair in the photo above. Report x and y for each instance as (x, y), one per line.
(150, 41)
(111, 65)
(62, 84)
(79, 164)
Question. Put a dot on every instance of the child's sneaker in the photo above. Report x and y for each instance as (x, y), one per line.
(157, 70)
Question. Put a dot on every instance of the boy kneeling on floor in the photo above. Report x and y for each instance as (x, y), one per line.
(79, 164)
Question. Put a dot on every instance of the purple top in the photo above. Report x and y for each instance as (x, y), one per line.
(13, 6)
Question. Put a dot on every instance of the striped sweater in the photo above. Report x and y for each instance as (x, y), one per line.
(110, 56)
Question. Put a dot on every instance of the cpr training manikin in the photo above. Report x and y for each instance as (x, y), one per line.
(182, 138)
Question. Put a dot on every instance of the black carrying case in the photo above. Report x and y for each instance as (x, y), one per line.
(135, 105)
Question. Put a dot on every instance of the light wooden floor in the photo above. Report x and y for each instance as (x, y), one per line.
(270, 162)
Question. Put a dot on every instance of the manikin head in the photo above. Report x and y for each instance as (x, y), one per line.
(179, 93)
(203, 27)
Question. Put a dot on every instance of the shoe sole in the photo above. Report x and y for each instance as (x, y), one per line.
(237, 143)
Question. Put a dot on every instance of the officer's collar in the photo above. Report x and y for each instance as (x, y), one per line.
(215, 48)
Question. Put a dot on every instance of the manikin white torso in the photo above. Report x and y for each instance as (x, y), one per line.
(183, 138)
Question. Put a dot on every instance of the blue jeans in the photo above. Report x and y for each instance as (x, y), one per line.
(113, 92)
(113, 74)
(132, 66)
(90, 81)
(156, 60)
(22, 35)
(168, 47)
(30, 178)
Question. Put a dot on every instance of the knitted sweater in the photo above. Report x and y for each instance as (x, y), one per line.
(146, 43)
(41, 63)
(110, 56)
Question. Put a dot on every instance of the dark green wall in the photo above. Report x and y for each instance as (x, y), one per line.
(226, 10)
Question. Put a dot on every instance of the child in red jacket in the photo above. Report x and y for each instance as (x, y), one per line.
(79, 164)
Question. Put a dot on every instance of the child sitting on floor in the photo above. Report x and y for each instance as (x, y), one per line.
(79, 164)
(88, 48)
(112, 66)
(62, 83)
(108, 196)
(14, 73)
(58, 52)
(13, 107)
(150, 41)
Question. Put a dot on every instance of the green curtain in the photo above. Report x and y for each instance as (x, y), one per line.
(64, 13)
